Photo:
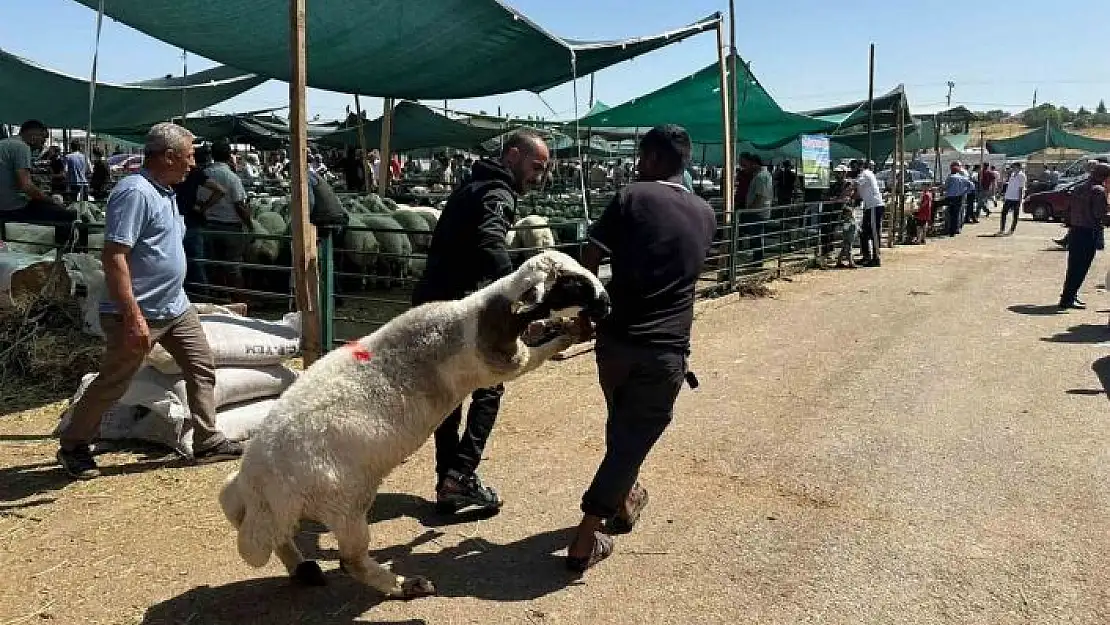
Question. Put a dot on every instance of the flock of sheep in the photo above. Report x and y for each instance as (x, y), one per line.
(385, 245)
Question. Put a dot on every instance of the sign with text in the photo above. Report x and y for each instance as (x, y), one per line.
(815, 161)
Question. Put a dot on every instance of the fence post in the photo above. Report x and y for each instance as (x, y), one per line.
(327, 290)
(733, 247)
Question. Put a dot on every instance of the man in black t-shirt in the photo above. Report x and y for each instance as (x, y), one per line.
(657, 235)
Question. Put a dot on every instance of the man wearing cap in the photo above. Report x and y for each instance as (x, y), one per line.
(867, 189)
(1086, 215)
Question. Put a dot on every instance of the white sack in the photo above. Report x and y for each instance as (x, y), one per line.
(241, 341)
(239, 422)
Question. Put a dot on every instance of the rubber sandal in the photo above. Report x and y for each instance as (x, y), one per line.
(603, 548)
(634, 504)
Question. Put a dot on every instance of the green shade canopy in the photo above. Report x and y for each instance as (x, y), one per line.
(694, 102)
(885, 107)
(1044, 138)
(265, 132)
(415, 126)
(433, 49)
(30, 91)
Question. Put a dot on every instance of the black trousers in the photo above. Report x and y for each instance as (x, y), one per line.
(640, 384)
(953, 218)
(1082, 243)
(1009, 206)
(44, 213)
(870, 234)
(463, 453)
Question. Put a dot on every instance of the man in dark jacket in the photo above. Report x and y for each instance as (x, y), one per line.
(1086, 215)
(657, 235)
(468, 251)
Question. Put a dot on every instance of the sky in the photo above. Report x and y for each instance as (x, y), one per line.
(807, 53)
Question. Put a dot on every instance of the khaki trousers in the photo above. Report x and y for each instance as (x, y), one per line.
(183, 337)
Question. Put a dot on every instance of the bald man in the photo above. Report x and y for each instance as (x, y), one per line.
(468, 250)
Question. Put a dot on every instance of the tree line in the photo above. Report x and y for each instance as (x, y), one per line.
(1037, 116)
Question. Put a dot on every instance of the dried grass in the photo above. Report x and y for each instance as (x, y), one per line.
(43, 350)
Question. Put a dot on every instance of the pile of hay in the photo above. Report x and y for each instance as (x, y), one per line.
(42, 348)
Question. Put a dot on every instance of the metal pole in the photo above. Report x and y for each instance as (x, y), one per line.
(727, 183)
(734, 90)
(92, 79)
(184, 91)
(362, 142)
(305, 267)
(870, 102)
(936, 147)
(387, 132)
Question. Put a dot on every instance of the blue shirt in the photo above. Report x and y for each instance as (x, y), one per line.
(142, 215)
(77, 169)
(958, 184)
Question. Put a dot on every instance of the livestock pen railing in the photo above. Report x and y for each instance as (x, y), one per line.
(367, 273)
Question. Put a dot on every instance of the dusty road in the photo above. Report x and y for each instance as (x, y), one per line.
(921, 443)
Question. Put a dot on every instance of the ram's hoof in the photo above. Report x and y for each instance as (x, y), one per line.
(308, 573)
(416, 587)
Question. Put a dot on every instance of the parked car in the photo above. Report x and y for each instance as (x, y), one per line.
(123, 164)
(1053, 205)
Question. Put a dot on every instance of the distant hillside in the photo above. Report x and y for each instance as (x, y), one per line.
(1005, 130)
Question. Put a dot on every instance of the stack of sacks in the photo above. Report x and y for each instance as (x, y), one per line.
(250, 374)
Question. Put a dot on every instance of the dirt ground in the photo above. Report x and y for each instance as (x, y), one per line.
(921, 443)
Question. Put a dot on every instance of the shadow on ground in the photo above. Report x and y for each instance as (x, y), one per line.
(22, 481)
(1083, 333)
(1042, 310)
(519, 571)
(270, 601)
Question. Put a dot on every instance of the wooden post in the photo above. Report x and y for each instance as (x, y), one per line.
(387, 132)
(305, 268)
(727, 179)
(870, 101)
(362, 143)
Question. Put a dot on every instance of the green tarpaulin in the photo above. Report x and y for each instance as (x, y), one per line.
(853, 114)
(415, 126)
(694, 103)
(266, 133)
(432, 49)
(30, 91)
(1044, 138)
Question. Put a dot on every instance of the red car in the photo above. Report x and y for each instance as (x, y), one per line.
(1050, 205)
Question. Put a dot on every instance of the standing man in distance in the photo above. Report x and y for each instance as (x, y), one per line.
(144, 267)
(78, 171)
(657, 235)
(228, 217)
(1015, 195)
(468, 250)
(193, 212)
(20, 199)
(1086, 216)
(867, 190)
(956, 186)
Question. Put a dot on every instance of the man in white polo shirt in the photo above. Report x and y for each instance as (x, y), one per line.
(1015, 194)
(867, 190)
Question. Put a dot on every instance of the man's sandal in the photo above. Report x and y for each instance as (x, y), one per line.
(602, 548)
(629, 514)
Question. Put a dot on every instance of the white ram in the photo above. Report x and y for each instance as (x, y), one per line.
(358, 412)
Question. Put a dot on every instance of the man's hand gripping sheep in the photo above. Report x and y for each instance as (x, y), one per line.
(361, 410)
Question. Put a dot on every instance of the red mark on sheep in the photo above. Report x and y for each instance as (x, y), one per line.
(360, 353)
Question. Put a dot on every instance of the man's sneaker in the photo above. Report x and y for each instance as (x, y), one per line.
(224, 450)
(78, 463)
(457, 491)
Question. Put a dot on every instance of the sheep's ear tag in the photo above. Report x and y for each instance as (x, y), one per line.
(360, 353)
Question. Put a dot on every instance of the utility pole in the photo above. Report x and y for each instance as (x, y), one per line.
(951, 86)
